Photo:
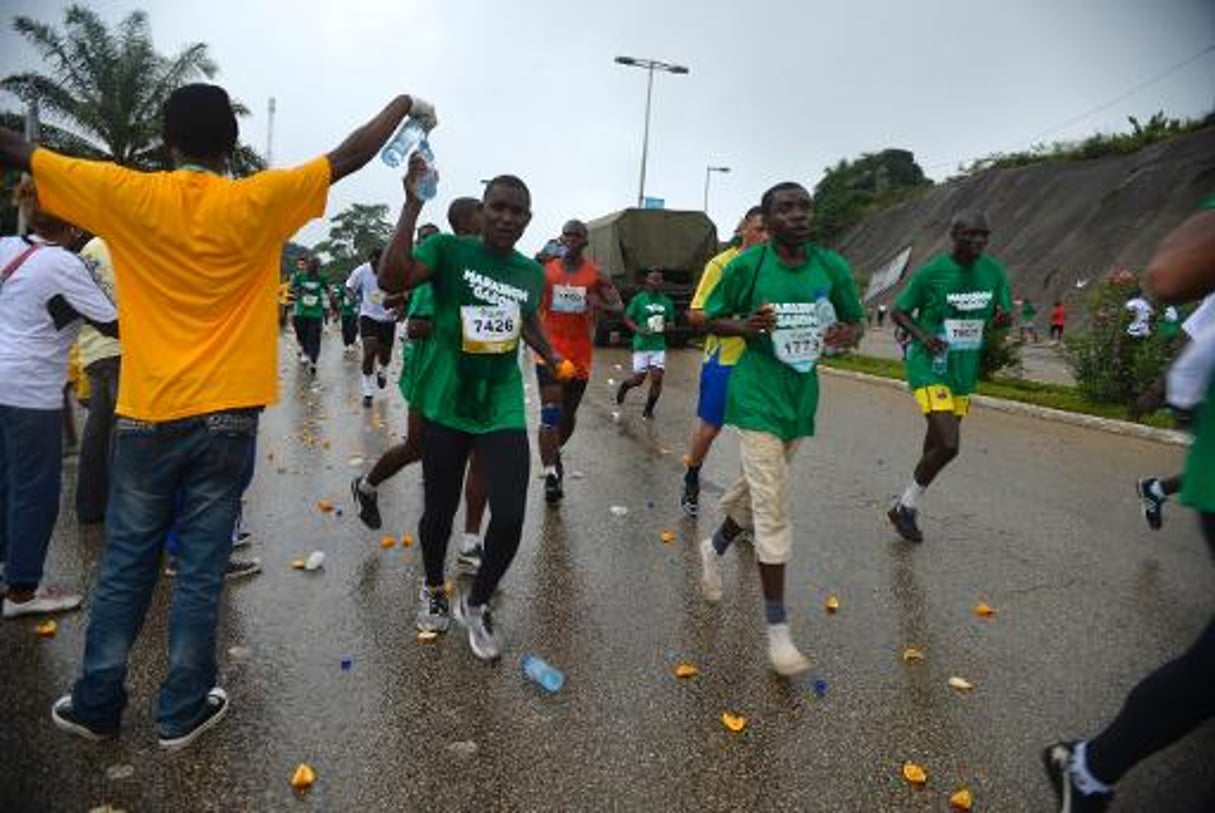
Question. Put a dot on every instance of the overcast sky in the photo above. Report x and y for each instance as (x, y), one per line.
(778, 89)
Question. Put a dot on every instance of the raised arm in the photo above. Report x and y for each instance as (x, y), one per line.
(15, 151)
(362, 145)
(398, 269)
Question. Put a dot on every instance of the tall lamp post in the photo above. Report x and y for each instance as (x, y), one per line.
(709, 171)
(649, 65)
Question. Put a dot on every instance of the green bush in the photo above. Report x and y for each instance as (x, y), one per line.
(1000, 352)
(1111, 367)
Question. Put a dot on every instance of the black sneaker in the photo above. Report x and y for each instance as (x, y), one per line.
(243, 539)
(690, 501)
(369, 509)
(552, 489)
(65, 719)
(620, 391)
(367, 401)
(240, 568)
(647, 414)
(1057, 760)
(903, 520)
(468, 561)
(381, 379)
(312, 369)
(216, 708)
(434, 612)
(1153, 506)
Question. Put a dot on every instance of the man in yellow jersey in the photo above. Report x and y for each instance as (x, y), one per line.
(196, 256)
(721, 354)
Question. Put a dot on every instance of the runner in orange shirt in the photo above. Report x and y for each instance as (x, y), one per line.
(574, 287)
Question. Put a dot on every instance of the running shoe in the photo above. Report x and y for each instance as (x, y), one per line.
(64, 717)
(690, 501)
(552, 489)
(468, 561)
(785, 658)
(381, 379)
(369, 508)
(434, 613)
(482, 637)
(647, 414)
(240, 568)
(1153, 506)
(213, 712)
(367, 401)
(903, 520)
(45, 600)
(243, 539)
(1057, 759)
(312, 369)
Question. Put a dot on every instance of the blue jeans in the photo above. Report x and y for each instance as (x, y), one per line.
(173, 539)
(31, 460)
(203, 458)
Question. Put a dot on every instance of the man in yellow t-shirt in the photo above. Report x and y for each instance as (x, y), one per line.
(721, 354)
(196, 257)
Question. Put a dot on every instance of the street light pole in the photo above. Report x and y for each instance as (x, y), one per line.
(650, 65)
(708, 171)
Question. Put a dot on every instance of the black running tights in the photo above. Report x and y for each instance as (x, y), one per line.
(1164, 707)
(505, 461)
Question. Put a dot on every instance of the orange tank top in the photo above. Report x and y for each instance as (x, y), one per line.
(567, 313)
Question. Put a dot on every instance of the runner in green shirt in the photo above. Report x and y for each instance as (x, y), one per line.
(345, 309)
(309, 288)
(1029, 312)
(946, 308)
(469, 388)
(1176, 698)
(789, 299)
(649, 314)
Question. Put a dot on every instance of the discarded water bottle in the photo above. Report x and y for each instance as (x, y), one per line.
(825, 311)
(428, 185)
(540, 671)
(410, 135)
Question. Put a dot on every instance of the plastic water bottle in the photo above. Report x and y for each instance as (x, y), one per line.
(428, 185)
(540, 671)
(409, 135)
(940, 362)
(825, 312)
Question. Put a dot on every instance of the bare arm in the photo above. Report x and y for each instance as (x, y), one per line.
(762, 320)
(903, 319)
(1183, 267)
(607, 297)
(398, 269)
(15, 151)
(362, 145)
(533, 334)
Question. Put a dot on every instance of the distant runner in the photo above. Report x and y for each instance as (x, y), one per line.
(377, 325)
(649, 314)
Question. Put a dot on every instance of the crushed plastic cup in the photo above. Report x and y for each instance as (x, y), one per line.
(315, 560)
(961, 684)
(618, 510)
(299, 564)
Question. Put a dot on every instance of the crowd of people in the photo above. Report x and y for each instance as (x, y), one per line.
(196, 255)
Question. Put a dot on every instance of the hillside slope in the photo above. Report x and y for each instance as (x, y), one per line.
(1055, 223)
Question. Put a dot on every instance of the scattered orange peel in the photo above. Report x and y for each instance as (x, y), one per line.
(449, 587)
(667, 537)
(304, 777)
(566, 370)
(406, 540)
(911, 653)
(914, 773)
(683, 669)
(962, 799)
(984, 610)
(833, 604)
(299, 564)
(47, 629)
(734, 722)
(387, 541)
(324, 506)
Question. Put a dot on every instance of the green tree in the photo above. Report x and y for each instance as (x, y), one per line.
(852, 189)
(353, 233)
(103, 89)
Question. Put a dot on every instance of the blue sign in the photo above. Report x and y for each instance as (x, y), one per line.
(653, 203)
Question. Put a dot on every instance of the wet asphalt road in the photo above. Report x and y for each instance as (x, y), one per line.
(1037, 519)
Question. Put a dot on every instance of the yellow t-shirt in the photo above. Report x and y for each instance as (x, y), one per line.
(93, 345)
(196, 261)
(729, 348)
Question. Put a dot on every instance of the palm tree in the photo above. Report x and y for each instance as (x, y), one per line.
(105, 89)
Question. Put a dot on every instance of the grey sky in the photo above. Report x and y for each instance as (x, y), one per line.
(778, 89)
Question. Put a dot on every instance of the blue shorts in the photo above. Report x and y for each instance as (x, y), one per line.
(714, 384)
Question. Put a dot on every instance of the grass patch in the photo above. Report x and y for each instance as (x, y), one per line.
(1053, 396)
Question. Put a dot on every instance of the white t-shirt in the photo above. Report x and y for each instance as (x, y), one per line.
(33, 352)
(1201, 319)
(366, 287)
(1141, 325)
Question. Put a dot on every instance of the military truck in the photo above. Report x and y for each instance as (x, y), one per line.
(632, 242)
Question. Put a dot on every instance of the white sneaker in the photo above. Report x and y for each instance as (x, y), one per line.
(45, 600)
(785, 658)
(710, 571)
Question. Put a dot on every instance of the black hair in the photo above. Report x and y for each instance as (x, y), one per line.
(511, 181)
(765, 203)
(373, 254)
(753, 211)
(198, 120)
(575, 223)
(459, 209)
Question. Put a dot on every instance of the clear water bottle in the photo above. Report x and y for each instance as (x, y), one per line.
(940, 362)
(409, 136)
(540, 671)
(428, 185)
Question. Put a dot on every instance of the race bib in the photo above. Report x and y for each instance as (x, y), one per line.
(377, 297)
(490, 328)
(309, 300)
(569, 299)
(656, 323)
(799, 347)
(963, 334)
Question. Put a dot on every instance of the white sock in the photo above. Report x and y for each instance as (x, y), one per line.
(1084, 780)
(365, 487)
(1157, 489)
(550, 470)
(470, 541)
(911, 497)
(368, 385)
